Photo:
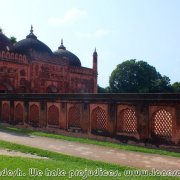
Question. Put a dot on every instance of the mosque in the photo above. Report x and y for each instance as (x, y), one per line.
(30, 66)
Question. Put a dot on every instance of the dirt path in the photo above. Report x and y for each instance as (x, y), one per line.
(94, 152)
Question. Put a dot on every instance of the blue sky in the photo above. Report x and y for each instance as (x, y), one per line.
(146, 30)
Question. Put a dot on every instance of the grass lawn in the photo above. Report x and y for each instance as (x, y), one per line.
(56, 160)
(68, 166)
(89, 141)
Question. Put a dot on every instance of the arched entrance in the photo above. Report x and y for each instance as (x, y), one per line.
(52, 89)
(5, 87)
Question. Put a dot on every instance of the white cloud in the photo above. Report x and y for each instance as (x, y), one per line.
(101, 32)
(70, 17)
(97, 34)
(85, 35)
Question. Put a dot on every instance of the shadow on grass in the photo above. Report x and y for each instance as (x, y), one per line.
(15, 131)
(121, 146)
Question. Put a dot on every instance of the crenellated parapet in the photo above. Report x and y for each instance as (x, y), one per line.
(14, 57)
(81, 70)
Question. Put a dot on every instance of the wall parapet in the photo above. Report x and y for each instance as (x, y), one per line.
(147, 117)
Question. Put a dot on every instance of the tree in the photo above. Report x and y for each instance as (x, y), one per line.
(162, 85)
(103, 90)
(176, 87)
(133, 76)
(13, 39)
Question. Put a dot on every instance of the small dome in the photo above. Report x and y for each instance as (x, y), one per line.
(5, 43)
(67, 55)
(32, 47)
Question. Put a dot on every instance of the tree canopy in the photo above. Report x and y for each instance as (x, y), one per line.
(133, 76)
(13, 39)
(176, 87)
(103, 90)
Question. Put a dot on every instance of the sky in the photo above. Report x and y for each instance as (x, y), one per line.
(120, 30)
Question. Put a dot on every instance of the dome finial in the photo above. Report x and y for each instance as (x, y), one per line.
(31, 31)
(62, 46)
(31, 34)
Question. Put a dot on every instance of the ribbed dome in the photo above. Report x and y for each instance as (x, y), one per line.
(67, 55)
(32, 47)
(5, 43)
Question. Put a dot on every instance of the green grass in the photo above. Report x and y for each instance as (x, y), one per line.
(56, 160)
(89, 141)
(68, 164)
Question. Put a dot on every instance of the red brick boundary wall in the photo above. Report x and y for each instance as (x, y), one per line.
(144, 117)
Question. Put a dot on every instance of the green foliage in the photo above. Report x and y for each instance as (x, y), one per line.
(133, 76)
(176, 87)
(162, 85)
(13, 39)
(103, 90)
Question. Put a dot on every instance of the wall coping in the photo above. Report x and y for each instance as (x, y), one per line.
(109, 98)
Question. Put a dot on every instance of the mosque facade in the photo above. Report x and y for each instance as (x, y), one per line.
(30, 66)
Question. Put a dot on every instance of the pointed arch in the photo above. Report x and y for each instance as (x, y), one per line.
(99, 119)
(34, 115)
(162, 123)
(74, 117)
(127, 121)
(18, 113)
(53, 116)
(6, 112)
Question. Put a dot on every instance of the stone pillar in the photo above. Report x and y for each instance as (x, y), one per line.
(85, 118)
(142, 111)
(12, 112)
(177, 125)
(0, 111)
(112, 110)
(26, 112)
(43, 114)
(63, 115)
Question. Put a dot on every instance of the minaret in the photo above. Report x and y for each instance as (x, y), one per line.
(95, 55)
(95, 64)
